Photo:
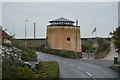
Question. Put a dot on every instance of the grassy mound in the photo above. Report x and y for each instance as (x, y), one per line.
(47, 70)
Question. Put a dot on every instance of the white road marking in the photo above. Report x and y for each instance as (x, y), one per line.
(64, 62)
(59, 60)
(88, 73)
(52, 58)
(72, 65)
(79, 68)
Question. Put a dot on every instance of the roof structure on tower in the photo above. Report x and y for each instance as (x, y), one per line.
(62, 19)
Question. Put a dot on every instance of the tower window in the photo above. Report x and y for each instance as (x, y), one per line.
(68, 39)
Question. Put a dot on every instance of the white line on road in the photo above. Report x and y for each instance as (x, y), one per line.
(59, 60)
(72, 65)
(51, 58)
(88, 73)
(64, 62)
(79, 68)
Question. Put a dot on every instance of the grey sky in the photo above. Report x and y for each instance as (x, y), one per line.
(102, 15)
(60, 0)
(119, 13)
(0, 13)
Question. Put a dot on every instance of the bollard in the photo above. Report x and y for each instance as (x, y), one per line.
(115, 60)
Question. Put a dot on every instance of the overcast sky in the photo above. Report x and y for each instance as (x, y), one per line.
(103, 15)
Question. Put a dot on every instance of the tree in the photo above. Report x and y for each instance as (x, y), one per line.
(116, 38)
(87, 46)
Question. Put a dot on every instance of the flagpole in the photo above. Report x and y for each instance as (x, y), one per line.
(96, 42)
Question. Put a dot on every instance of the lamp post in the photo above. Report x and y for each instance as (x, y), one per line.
(25, 30)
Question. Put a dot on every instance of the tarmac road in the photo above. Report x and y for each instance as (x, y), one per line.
(72, 68)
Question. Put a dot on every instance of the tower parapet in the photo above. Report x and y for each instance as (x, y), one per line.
(61, 22)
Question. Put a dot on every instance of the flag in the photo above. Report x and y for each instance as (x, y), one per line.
(94, 30)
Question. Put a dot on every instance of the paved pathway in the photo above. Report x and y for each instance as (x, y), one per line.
(112, 54)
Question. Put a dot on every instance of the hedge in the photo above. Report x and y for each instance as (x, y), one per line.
(62, 53)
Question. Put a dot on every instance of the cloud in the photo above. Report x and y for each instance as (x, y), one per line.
(89, 15)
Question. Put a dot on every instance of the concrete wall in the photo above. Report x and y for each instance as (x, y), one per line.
(33, 43)
(57, 38)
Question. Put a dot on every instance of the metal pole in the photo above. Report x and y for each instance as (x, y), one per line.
(76, 37)
(76, 41)
(25, 30)
(96, 43)
(34, 31)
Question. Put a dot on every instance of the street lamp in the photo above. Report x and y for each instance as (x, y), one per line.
(25, 30)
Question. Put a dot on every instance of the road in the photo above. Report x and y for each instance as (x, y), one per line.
(72, 68)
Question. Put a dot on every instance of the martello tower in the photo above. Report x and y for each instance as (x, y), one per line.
(64, 35)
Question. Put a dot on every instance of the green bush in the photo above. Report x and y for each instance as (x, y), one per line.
(116, 38)
(87, 46)
(25, 56)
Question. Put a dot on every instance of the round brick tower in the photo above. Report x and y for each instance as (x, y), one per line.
(62, 34)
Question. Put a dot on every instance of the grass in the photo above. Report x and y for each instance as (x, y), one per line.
(47, 70)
